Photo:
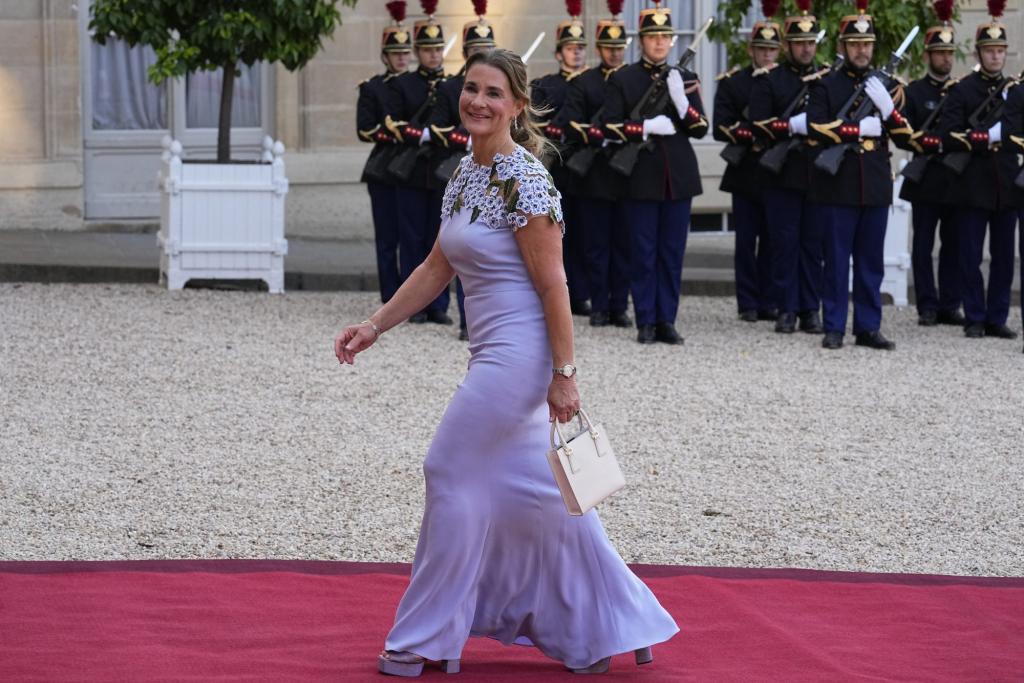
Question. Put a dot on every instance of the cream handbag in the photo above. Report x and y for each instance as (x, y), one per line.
(584, 466)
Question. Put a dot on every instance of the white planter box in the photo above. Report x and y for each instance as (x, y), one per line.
(222, 221)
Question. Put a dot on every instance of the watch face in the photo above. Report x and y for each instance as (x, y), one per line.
(568, 370)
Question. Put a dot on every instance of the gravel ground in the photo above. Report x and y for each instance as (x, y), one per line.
(139, 423)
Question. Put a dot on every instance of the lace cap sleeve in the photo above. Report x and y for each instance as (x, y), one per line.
(534, 195)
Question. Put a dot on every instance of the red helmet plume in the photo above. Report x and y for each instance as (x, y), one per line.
(480, 7)
(615, 7)
(396, 8)
(770, 7)
(944, 10)
(574, 7)
(803, 5)
(429, 7)
(996, 7)
(862, 6)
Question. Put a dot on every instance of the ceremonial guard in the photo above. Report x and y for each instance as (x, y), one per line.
(852, 113)
(547, 95)
(376, 99)
(658, 170)
(1013, 133)
(446, 132)
(417, 196)
(982, 189)
(755, 297)
(778, 108)
(606, 254)
(927, 182)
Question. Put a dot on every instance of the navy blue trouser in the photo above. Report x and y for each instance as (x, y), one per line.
(752, 256)
(419, 219)
(926, 217)
(385, 237)
(658, 232)
(607, 254)
(574, 249)
(858, 231)
(795, 231)
(994, 308)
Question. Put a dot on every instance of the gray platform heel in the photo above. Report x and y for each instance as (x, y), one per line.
(643, 656)
(410, 665)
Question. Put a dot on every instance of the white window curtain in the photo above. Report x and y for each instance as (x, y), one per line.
(202, 98)
(122, 97)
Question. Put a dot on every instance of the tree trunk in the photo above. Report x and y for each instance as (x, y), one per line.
(227, 92)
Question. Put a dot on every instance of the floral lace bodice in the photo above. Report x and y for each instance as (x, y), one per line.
(504, 195)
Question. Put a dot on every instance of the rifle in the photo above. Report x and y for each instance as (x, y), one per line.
(651, 104)
(983, 117)
(582, 160)
(775, 157)
(914, 170)
(853, 111)
(402, 166)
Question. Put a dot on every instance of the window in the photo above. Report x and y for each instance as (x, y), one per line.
(122, 96)
(202, 97)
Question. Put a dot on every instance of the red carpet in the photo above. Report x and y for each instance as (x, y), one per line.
(236, 620)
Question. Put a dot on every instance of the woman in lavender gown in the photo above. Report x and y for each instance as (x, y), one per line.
(498, 555)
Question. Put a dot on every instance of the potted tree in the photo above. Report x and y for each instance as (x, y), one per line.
(222, 219)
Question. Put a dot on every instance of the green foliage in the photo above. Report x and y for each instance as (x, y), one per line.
(893, 21)
(198, 35)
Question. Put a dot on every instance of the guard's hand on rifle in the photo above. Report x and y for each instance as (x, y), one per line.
(798, 124)
(871, 127)
(880, 96)
(677, 91)
(995, 134)
(659, 125)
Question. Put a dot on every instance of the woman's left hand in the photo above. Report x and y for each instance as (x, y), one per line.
(563, 399)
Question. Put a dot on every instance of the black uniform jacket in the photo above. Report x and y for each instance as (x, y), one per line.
(985, 183)
(732, 125)
(922, 98)
(376, 99)
(411, 90)
(770, 97)
(865, 175)
(667, 168)
(579, 122)
(1013, 140)
(447, 134)
(548, 94)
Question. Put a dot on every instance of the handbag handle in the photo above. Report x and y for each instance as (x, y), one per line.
(556, 428)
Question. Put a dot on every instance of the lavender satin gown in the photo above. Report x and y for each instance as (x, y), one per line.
(498, 555)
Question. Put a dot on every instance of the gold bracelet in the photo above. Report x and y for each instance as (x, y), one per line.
(376, 330)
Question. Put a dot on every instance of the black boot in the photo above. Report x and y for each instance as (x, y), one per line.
(666, 333)
(874, 340)
(953, 317)
(786, 323)
(748, 316)
(1000, 332)
(974, 330)
(418, 318)
(580, 306)
(832, 340)
(928, 318)
(620, 319)
(599, 319)
(439, 317)
(810, 322)
(768, 314)
(645, 334)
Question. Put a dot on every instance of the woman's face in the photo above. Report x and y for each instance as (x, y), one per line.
(487, 105)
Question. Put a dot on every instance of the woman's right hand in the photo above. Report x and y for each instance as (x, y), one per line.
(352, 340)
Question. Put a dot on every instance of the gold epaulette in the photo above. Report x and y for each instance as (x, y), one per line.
(727, 74)
(950, 83)
(574, 74)
(763, 70)
(362, 83)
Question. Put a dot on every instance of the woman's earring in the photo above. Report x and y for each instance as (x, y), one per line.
(515, 124)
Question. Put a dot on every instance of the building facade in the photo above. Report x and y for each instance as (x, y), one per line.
(81, 129)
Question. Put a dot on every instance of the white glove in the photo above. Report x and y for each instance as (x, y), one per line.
(798, 124)
(425, 137)
(659, 125)
(677, 91)
(871, 127)
(880, 96)
(995, 133)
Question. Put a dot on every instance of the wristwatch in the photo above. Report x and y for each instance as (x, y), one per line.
(567, 370)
